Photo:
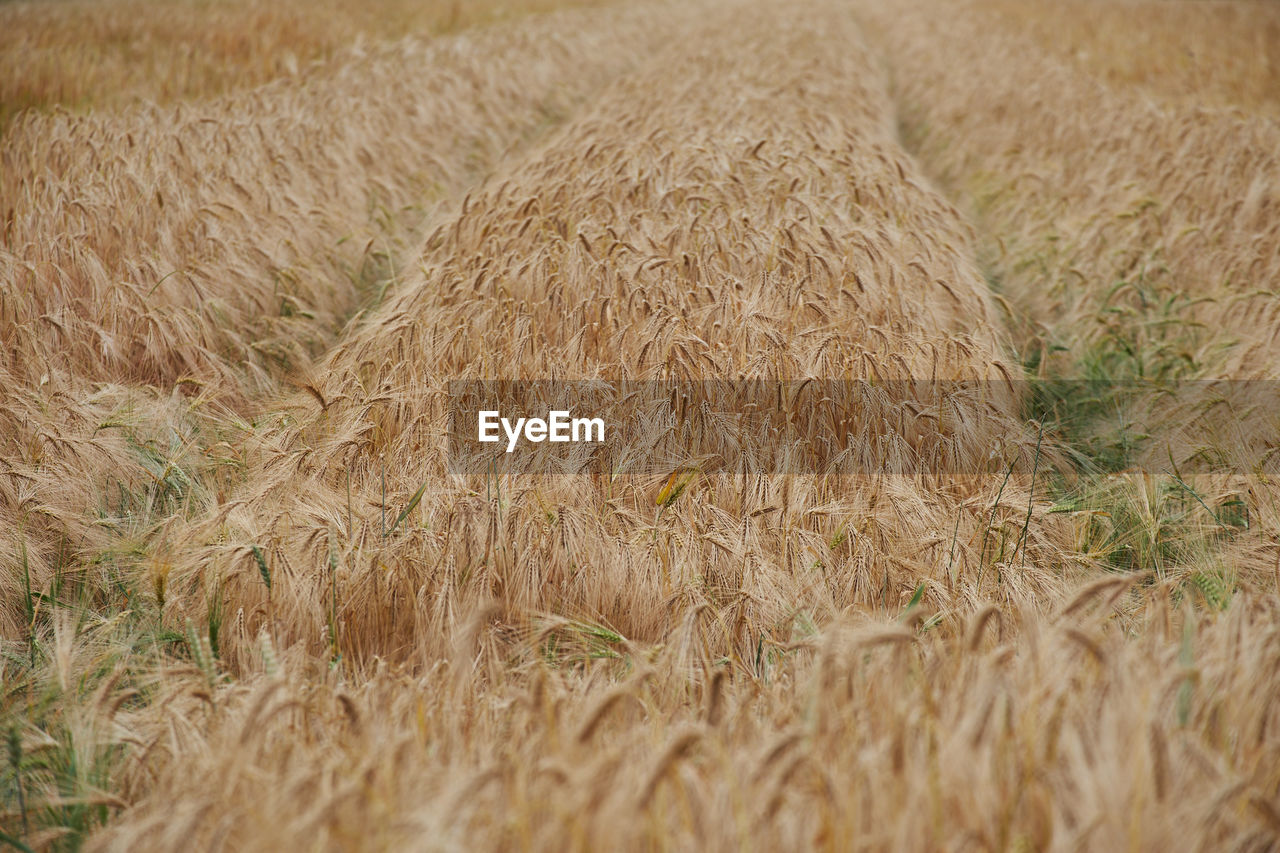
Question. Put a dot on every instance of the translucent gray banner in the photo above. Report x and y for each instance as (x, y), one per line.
(859, 427)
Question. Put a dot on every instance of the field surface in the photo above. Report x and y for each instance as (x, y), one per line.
(248, 602)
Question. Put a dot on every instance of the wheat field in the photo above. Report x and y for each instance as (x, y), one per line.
(250, 599)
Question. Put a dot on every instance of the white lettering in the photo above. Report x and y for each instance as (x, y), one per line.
(488, 426)
(513, 435)
(558, 427)
(588, 424)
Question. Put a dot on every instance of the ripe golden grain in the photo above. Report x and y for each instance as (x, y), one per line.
(229, 327)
